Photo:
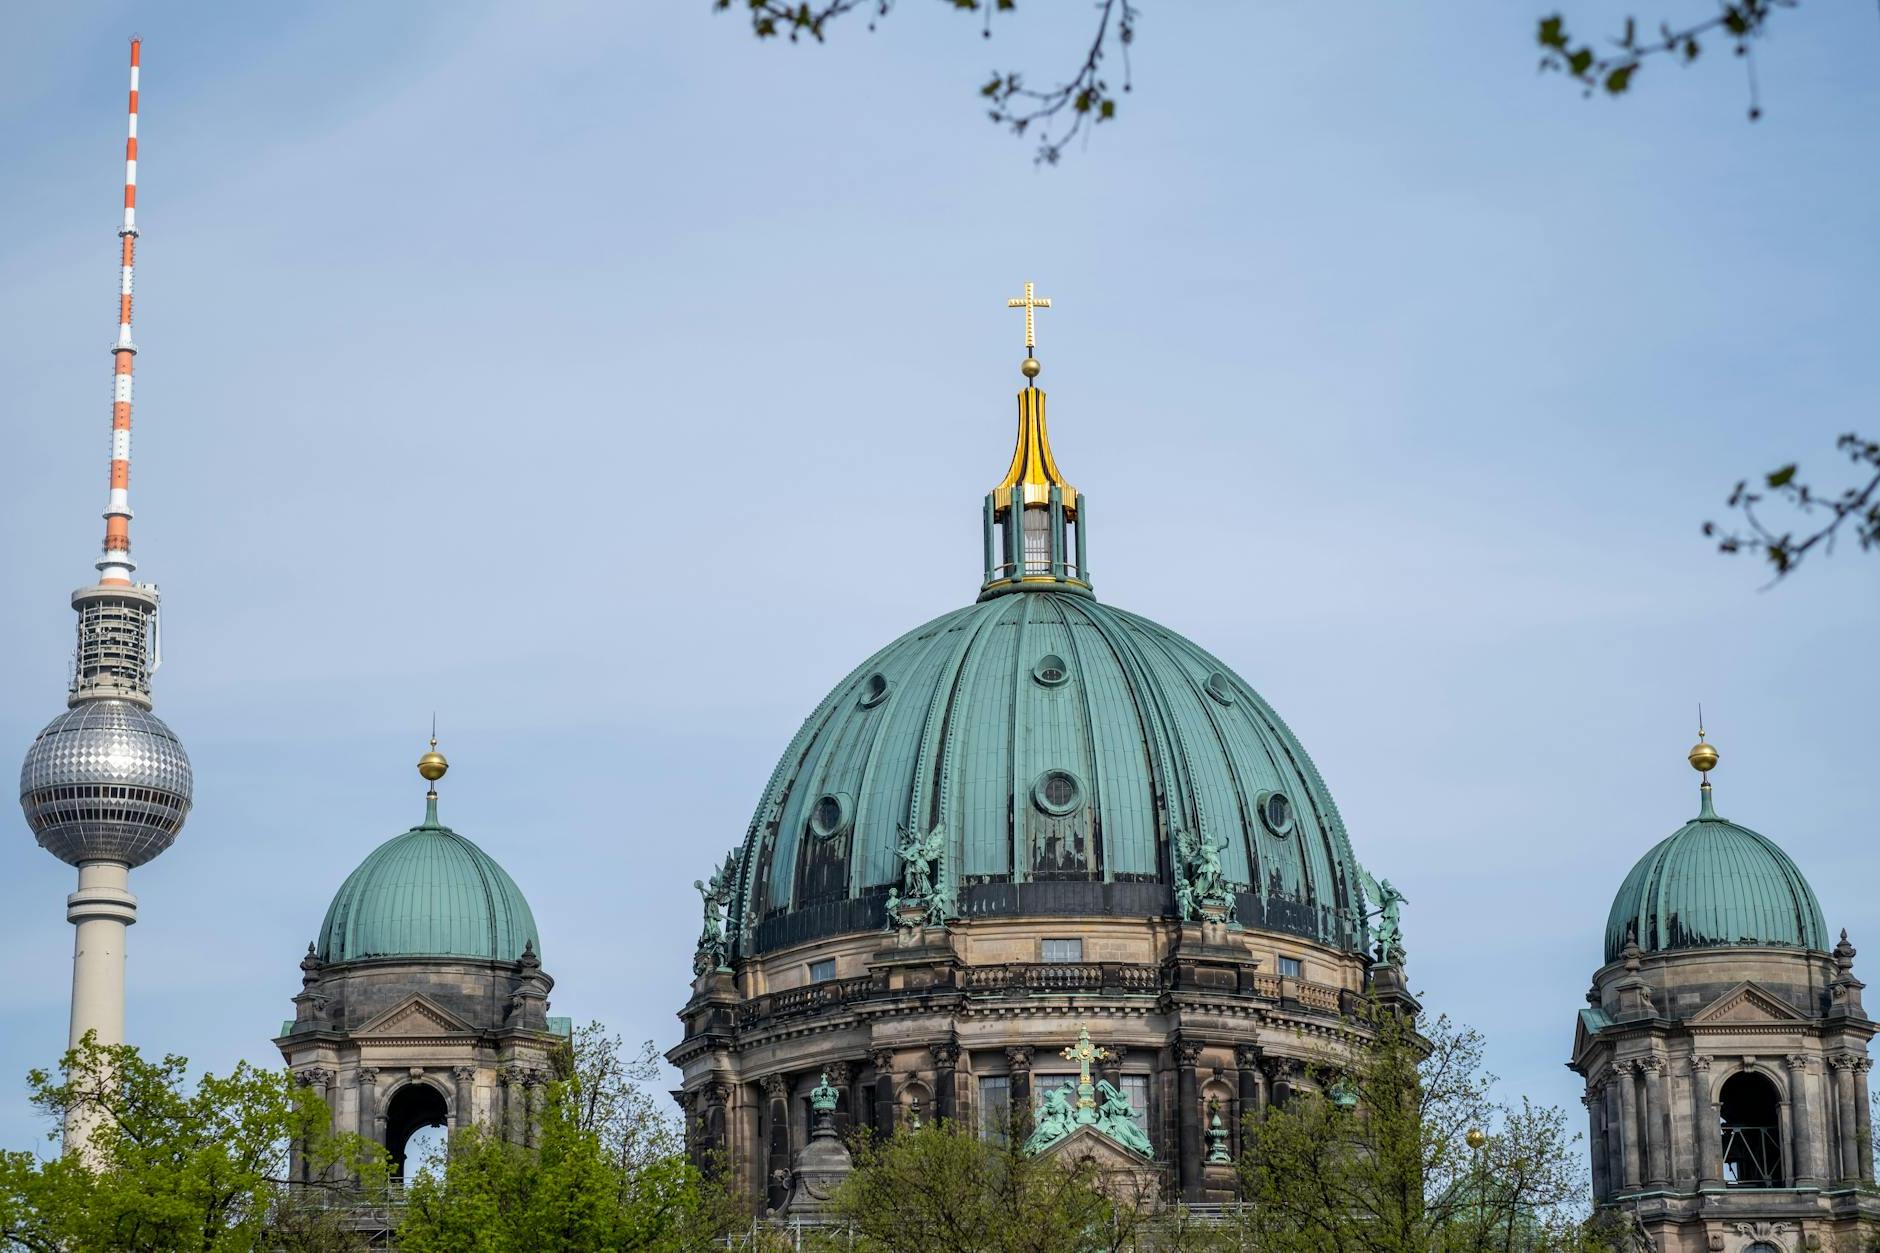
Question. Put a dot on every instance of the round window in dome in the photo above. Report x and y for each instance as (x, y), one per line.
(1057, 792)
(1051, 670)
(874, 690)
(829, 816)
(1221, 688)
(1276, 811)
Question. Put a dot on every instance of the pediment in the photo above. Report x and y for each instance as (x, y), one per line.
(415, 1016)
(1086, 1142)
(1746, 1003)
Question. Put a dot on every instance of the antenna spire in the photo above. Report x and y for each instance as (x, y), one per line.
(116, 566)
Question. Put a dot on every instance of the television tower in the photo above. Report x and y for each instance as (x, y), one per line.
(106, 785)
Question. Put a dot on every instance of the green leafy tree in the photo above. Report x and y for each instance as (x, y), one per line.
(172, 1168)
(944, 1189)
(605, 1170)
(1381, 1159)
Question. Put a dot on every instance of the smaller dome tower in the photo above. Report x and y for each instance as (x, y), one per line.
(1724, 1046)
(424, 1002)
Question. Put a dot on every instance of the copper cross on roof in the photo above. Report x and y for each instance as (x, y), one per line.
(1083, 1053)
(1029, 303)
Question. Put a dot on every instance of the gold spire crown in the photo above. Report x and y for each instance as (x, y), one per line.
(1033, 472)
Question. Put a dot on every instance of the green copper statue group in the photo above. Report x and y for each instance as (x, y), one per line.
(1075, 1104)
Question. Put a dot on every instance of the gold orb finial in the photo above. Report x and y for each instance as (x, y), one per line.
(1476, 1138)
(1703, 756)
(1029, 367)
(432, 765)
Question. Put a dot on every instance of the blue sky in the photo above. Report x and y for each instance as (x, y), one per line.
(611, 384)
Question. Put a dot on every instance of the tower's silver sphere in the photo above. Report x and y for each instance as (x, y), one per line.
(106, 781)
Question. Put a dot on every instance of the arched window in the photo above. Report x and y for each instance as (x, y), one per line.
(1752, 1132)
(411, 1109)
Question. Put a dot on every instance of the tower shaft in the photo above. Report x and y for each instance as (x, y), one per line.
(115, 567)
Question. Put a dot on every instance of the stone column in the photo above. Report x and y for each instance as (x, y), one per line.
(1847, 1124)
(511, 1120)
(1706, 1130)
(1252, 1097)
(1110, 1069)
(1628, 1122)
(1018, 1082)
(1863, 1118)
(844, 1111)
(1188, 1118)
(1596, 1138)
(465, 1077)
(712, 1127)
(884, 1092)
(1615, 1127)
(1802, 1125)
(367, 1079)
(534, 1089)
(1284, 1070)
(777, 1100)
(1658, 1174)
(945, 1058)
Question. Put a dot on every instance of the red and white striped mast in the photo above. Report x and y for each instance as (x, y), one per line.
(115, 567)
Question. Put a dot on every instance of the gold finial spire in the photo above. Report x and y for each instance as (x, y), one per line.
(1030, 304)
(1703, 756)
(432, 765)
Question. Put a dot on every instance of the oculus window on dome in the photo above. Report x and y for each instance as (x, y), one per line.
(874, 690)
(829, 816)
(1051, 671)
(1276, 811)
(1057, 792)
(1221, 688)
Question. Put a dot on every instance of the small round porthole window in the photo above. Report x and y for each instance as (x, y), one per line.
(874, 690)
(1221, 688)
(1057, 792)
(1051, 670)
(1276, 811)
(829, 816)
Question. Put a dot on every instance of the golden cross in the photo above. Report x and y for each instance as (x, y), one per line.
(1029, 303)
(1083, 1053)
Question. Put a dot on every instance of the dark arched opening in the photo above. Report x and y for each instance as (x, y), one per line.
(1752, 1132)
(412, 1108)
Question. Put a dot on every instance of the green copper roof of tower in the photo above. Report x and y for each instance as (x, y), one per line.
(427, 893)
(1713, 884)
(1060, 744)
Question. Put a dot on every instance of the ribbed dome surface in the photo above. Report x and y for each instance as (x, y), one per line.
(1711, 884)
(1060, 744)
(427, 893)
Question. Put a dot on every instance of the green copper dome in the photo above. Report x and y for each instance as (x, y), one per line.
(1711, 884)
(427, 893)
(1060, 746)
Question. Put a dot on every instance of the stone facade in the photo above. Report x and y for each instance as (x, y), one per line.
(397, 1044)
(1726, 1096)
(953, 1022)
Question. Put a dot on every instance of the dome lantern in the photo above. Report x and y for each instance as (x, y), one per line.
(1034, 518)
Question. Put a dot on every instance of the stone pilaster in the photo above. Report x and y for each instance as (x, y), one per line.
(1252, 1087)
(1804, 1125)
(1595, 1104)
(514, 1101)
(884, 1092)
(1189, 1118)
(1658, 1159)
(1706, 1130)
(1847, 1122)
(839, 1076)
(946, 1057)
(1863, 1118)
(777, 1111)
(1629, 1122)
(367, 1080)
(465, 1078)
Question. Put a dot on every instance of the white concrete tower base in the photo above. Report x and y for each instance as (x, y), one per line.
(102, 910)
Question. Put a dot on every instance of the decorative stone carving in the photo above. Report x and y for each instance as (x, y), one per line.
(463, 1074)
(776, 1088)
(1247, 1056)
(946, 1056)
(1018, 1056)
(1188, 1052)
(715, 896)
